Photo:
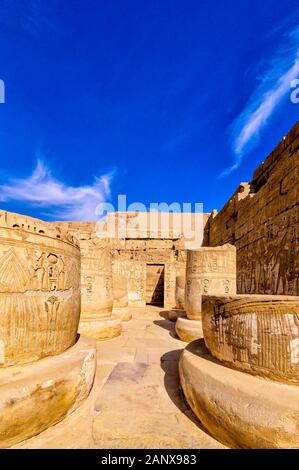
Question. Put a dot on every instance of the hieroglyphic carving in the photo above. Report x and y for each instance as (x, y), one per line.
(136, 283)
(39, 289)
(263, 224)
(49, 272)
(209, 271)
(14, 276)
(130, 257)
(169, 285)
(270, 265)
(96, 277)
(131, 262)
(257, 334)
(180, 282)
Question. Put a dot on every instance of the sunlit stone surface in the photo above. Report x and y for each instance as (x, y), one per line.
(241, 380)
(209, 271)
(51, 372)
(96, 319)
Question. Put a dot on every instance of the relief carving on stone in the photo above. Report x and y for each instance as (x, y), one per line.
(271, 264)
(39, 289)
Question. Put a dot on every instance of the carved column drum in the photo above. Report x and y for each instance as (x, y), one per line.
(209, 271)
(39, 289)
(180, 292)
(257, 334)
(120, 291)
(96, 279)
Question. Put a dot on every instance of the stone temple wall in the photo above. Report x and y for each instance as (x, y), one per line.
(262, 220)
(130, 257)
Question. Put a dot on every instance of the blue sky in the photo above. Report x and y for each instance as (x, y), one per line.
(160, 100)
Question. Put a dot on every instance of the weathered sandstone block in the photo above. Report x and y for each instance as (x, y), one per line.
(188, 330)
(96, 278)
(237, 408)
(123, 313)
(179, 310)
(258, 334)
(120, 296)
(39, 289)
(180, 292)
(209, 271)
(261, 219)
(36, 396)
(176, 313)
(104, 328)
(96, 319)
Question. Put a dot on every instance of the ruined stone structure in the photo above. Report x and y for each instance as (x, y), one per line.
(231, 282)
(262, 221)
(208, 271)
(40, 310)
(120, 298)
(97, 298)
(179, 310)
(257, 334)
(243, 382)
(180, 292)
(149, 255)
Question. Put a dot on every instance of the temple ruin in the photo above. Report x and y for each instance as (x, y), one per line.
(128, 335)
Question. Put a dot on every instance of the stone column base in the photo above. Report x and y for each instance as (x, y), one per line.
(188, 330)
(176, 313)
(101, 329)
(36, 396)
(238, 409)
(124, 313)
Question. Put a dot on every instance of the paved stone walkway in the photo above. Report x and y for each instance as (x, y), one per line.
(136, 401)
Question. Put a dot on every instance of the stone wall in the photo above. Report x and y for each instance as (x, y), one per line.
(130, 258)
(262, 220)
(131, 255)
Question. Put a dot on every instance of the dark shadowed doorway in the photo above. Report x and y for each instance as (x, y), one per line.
(155, 284)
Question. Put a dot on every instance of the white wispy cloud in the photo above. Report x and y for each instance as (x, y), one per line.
(55, 198)
(272, 88)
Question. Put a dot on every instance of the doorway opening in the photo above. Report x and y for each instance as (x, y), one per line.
(155, 284)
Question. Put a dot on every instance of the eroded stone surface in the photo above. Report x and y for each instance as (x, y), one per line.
(255, 333)
(261, 220)
(136, 400)
(39, 281)
(96, 318)
(180, 282)
(36, 396)
(39, 289)
(176, 313)
(96, 277)
(124, 313)
(238, 409)
(134, 251)
(120, 298)
(209, 271)
(188, 330)
(101, 329)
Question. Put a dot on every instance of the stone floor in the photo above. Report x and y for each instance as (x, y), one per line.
(136, 401)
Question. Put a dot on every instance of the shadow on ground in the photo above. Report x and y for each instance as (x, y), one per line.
(167, 325)
(164, 314)
(170, 366)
